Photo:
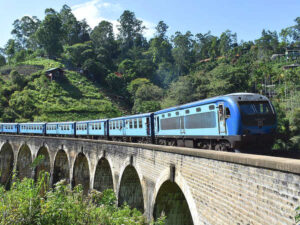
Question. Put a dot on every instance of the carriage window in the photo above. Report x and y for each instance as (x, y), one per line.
(177, 113)
(157, 119)
(163, 116)
(211, 107)
(198, 109)
(227, 112)
(110, 125)
(114, 126)
(121, 124)
(187, 111)
(140, 123)
(130, 124)
(135, 123)
(169, 114)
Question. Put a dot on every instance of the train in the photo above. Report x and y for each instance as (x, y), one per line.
(231, 122)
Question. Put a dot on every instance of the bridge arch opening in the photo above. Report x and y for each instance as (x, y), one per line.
(103, 176)
(44, 164)
(24, 162)
(61, 167)
(130, 190)
(171, 202)
(81, 173)
(6, 165)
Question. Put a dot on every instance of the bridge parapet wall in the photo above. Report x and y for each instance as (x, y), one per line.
(218, 187)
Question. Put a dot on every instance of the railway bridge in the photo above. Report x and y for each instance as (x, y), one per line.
(190, 186)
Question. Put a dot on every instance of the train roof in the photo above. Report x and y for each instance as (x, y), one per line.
(92, 121)
(33, 123)
(8, 123)
(53, 123)
(132, 116)
(233, 97)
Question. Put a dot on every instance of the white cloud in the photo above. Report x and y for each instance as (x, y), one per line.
(94, 12)
(150, 29)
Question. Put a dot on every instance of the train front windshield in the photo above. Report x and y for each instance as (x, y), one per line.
(257, 113)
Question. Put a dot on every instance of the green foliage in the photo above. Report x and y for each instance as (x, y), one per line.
(33, 203)
(50, 34)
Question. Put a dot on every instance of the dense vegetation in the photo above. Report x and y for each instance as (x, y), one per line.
(109, 74)
(29, 202)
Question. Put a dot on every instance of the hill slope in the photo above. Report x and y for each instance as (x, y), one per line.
(37, 98)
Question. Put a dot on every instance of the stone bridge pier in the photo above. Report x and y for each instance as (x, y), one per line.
(189, 186)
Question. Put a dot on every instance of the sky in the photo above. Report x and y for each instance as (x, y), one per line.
(245, 17)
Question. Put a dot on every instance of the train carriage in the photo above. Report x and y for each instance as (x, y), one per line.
(82, 128)
(9, 127)
(221, 123)
(32, 128)
(98, 127)
(60, 128)
(135, 127)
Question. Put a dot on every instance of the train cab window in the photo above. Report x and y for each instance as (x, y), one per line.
(135, 123)
(211, 107)
(198, 109)
(227, 112)
(187, 111)
(140, 123)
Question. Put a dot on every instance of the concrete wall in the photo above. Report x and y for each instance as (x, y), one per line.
(190, 186)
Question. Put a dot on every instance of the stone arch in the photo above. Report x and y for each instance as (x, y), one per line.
(61, 168)
(81, 172)
(181, 186)
(130, 189)
(24, 162)
(6, 164)
(44, 165)
(103, 178)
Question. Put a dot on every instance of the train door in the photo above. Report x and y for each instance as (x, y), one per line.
(124, 126)
(148, 125)
(222, 120)
(181, 124)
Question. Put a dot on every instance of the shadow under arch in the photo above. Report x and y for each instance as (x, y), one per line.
(103, 178)
(61, 167)
(81, 173)
(6, 164)
(44, 164)
(170, 201)
(130, 190)
(24, 162)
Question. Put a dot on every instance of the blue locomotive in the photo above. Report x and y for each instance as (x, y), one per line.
(234, 121)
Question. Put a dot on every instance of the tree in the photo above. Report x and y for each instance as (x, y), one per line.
(104, 43)
(74, 31)
(80, 52)
(2, 60)
(161, 29)
(10, 49)
(50, 34)
(227, 42)
(24, 30)
(182, 52)
(130, 31)
(147, 97)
